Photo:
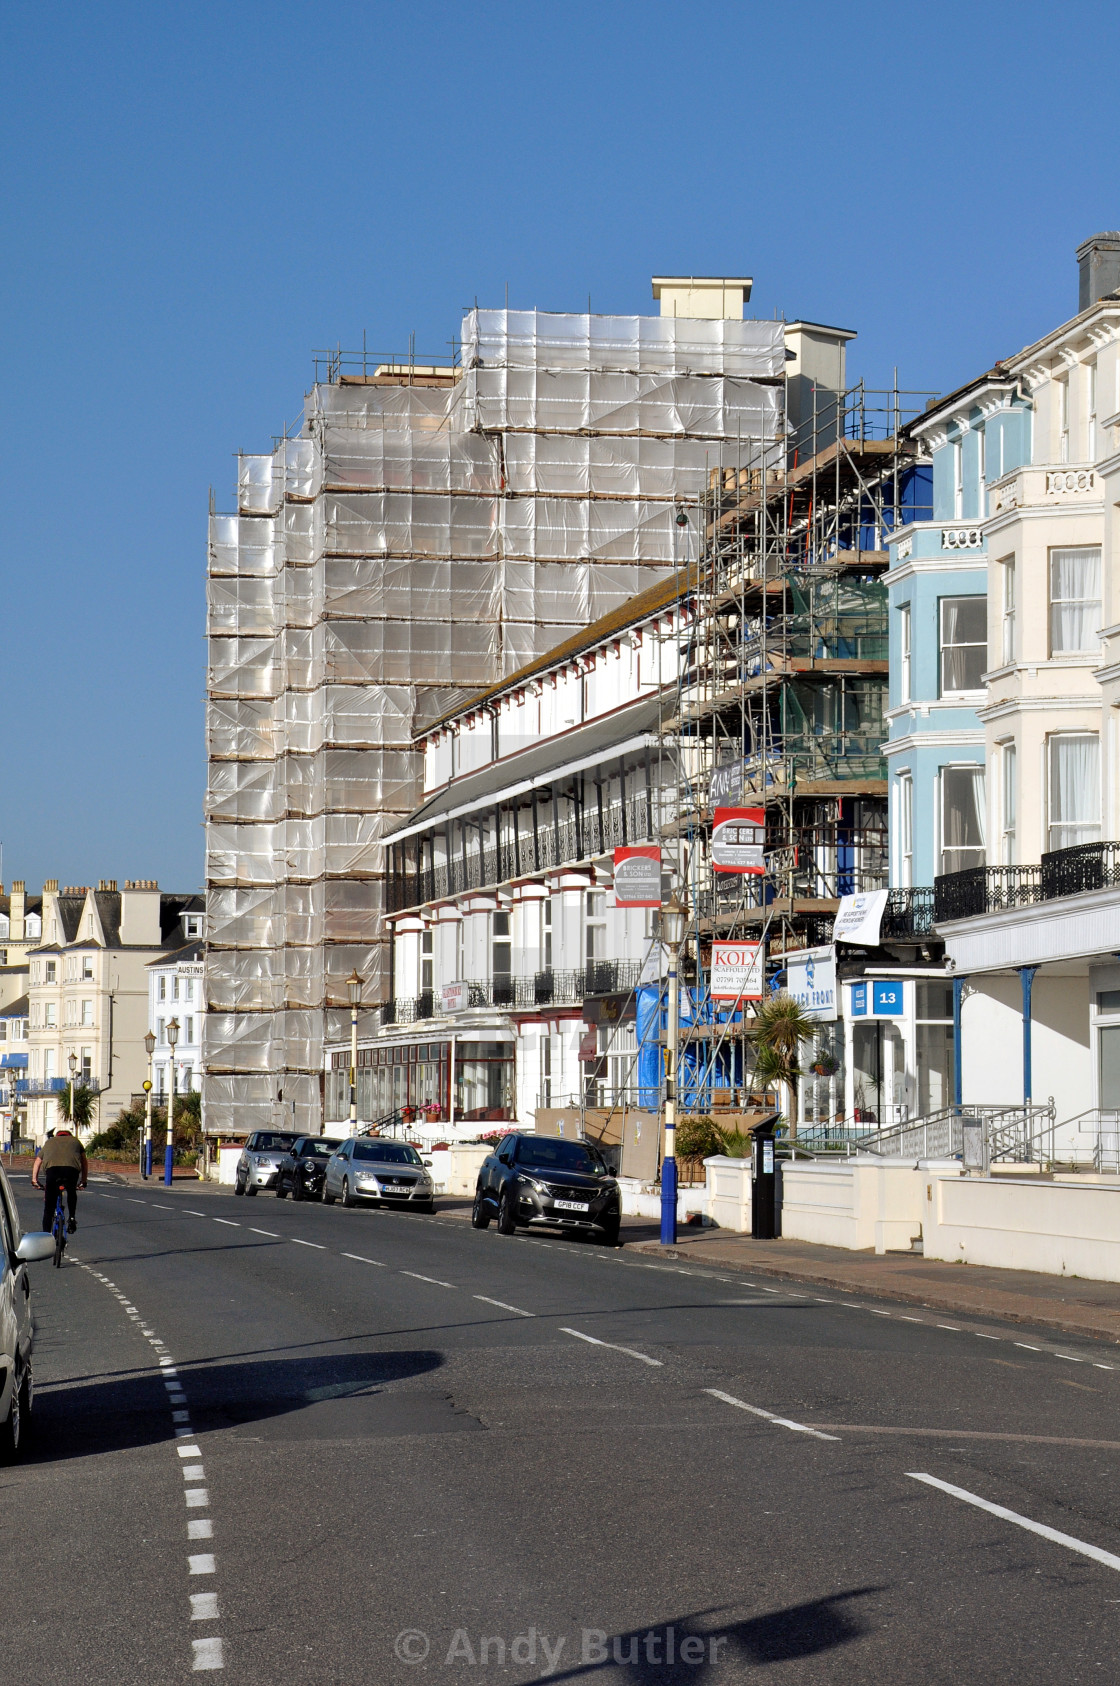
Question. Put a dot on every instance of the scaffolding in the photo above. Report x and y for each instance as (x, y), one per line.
(431, 528)
(783, 691)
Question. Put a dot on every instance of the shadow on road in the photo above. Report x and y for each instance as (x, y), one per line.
(346, 1394)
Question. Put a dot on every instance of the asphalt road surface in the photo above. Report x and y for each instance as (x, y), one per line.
(298, 1444)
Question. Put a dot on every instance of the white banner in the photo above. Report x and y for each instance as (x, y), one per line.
(858, 918)
(453, 997)
(737, 971)
(811, 980)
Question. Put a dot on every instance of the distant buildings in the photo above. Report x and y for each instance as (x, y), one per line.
(176, 991)
(88, 992)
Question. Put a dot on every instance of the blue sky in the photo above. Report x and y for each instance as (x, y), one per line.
(194, 197)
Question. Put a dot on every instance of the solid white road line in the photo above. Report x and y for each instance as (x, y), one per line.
(434, 1280)
(1106, 1557)
(501, 1304)
(361, 1258)
(757, 1411)
(628, 1350)
(296, 1242)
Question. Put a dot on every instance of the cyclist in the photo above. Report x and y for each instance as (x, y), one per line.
(63, 1158)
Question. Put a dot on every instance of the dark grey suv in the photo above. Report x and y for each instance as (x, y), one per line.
(538, 1181)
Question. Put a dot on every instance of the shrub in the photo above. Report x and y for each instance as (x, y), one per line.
(698, 1137)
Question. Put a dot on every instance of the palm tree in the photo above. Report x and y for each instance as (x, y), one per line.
(780, 1026)
(84, 1102)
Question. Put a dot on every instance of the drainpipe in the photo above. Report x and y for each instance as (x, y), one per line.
(958, 993)
(1026, 978)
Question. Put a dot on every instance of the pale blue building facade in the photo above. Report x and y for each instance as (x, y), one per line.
(941, 645)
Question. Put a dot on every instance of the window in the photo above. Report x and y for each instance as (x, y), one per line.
(1091, 411)
(87, 1012)
(904, 683)
(1007, 651)
(1075, 789)
(1009, 801)
(546, 935)
(87, 1064)
(163, 988)
(3, 1030)
(905, 789)
(52, 971)
(501, 955)
(87, 967)
(546, 1069)
(982, 460)
(1063, 418)
(189, 1030)
(427, 960)
(962, 818)
(48, 1064)
(958, 478)
(188, 989)
(596, 925)
(1075, 599)
(50, 1014)
(175, 989)
(187, 1082)
(161, 1032)
(964, 644)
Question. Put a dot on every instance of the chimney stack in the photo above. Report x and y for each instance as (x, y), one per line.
(1098, 268)
(17, 911)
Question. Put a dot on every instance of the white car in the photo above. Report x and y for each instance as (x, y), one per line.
(370, 1168)
(17, 1330)
(260, 1159)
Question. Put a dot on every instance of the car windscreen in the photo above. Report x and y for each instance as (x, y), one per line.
(387, 1153)
(560, 1156)
(271, 1141)
(318, 1148)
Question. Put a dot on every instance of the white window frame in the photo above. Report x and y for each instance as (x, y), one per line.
(1009, 802)
(905, 668)
(1063, 418)
(1058, 651)
(1091, 410)
(942, 604)
(1007, 632)
(905, 795)
(958, 477)
(1053, 741)
(977, 772)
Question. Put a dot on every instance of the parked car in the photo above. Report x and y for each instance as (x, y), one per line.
(300, 1172)
(260, 1159)
(17, 1327)
(369, 1168)
(539, 1181)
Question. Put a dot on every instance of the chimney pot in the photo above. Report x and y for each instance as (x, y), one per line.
(1098, 268)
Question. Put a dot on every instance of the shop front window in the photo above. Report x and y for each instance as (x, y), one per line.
(484, 1081)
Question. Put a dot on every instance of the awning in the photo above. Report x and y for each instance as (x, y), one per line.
(14, 1062)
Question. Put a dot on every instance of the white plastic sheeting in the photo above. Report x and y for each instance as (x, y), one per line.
(413, 544)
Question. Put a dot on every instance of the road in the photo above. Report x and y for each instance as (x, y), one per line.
(299, 1444)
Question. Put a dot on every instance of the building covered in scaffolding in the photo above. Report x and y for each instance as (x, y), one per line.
(782, 698)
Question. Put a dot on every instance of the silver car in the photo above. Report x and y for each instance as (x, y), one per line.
(17, 1329)
(260, 1159)
(370, 1168)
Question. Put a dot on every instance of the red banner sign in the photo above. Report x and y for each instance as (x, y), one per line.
(738, 839)
(637, 876)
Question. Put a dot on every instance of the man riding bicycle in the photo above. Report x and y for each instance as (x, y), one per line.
(63, 1158)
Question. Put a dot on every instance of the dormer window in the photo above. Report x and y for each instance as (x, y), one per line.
(192, 924)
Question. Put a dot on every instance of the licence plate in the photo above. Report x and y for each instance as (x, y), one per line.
(570, 1206)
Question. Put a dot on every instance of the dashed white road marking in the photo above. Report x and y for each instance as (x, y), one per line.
(757, 1411)
(1106, 1557)
(207, 1654)
(1026, 1346)
(204, 1606)
(361, 1258)
(202, 1563)
(199, 1528)
(196, 1497)
(614, 1347)
(981, 1336)
(1069, 1358)
(486, 1300)
(952, 1326)
(434, 1280)
(191, 1213)
(229, 1222)
(273, 1235)
(193, 1472)
(296, 1242)
(160, 1208)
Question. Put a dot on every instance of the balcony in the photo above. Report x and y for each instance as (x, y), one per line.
(908, 915)
(997, 889)
(523, 993)
(34, 1088)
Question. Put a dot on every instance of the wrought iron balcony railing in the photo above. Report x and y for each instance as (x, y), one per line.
(995, 889)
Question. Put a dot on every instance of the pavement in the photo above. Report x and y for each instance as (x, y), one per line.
(309, 1445)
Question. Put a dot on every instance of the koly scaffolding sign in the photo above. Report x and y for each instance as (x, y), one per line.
(737, 972)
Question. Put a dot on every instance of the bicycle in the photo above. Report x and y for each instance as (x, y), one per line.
(58, 1229)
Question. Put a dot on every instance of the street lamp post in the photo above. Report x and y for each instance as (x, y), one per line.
(169, 1155)
(673, 919)
(354, 989)
(73, 1064)
(146, 1144)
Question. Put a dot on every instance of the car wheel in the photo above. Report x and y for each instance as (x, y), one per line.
(347, 1197)
(610, 1232)
(507, 1222)
(238, 1186)
(281, 1191)
(480, 1216)
(297, 1189)
(328, 1199)
(250, 1190)
(11, 1430)
(429, 1207)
